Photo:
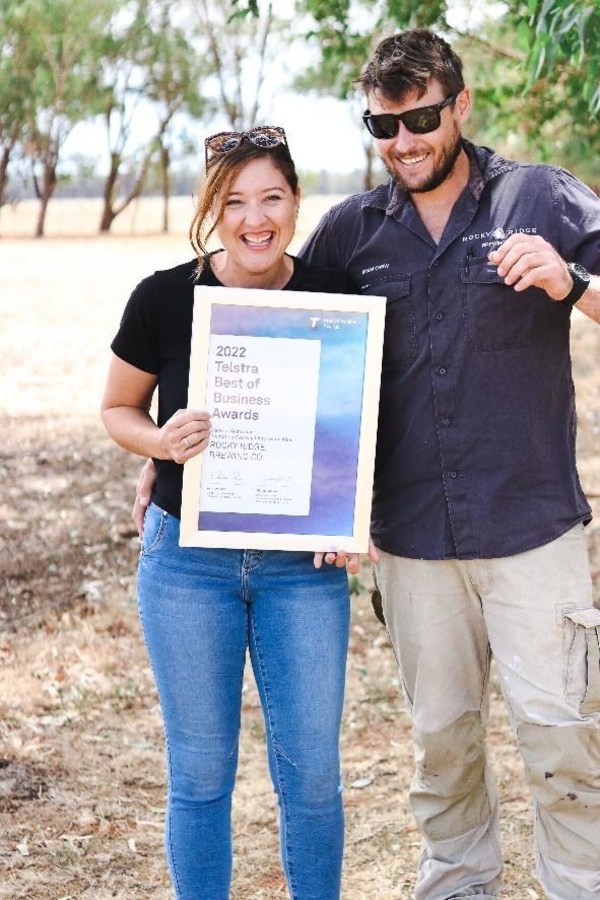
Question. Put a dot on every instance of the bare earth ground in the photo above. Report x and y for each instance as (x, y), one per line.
(81, 764)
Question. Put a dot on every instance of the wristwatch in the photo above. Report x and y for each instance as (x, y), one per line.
(581, 279)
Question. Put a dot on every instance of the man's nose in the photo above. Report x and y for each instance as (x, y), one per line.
(404, 139)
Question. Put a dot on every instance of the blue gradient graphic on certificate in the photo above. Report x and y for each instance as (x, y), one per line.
(285, 390)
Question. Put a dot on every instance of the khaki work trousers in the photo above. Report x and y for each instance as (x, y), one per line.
(533, 612)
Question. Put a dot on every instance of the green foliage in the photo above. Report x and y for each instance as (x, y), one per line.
(546, 119)
(345, 42)
(242, 9)
(566, 33)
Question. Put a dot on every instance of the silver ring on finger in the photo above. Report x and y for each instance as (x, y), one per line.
(186, 441)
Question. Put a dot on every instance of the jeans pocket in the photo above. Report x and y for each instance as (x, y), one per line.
(583, 659)
(154, 527)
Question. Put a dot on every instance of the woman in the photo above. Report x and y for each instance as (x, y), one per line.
(202, 608)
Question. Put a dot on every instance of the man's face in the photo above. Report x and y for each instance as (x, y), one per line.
(422, 162)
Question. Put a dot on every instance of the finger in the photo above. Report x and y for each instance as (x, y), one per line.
(373, 552)
(341, 559)
(513, 269)
(193, 433)
(318, 560)
(353, 563)
(184, 416)
(497, 255)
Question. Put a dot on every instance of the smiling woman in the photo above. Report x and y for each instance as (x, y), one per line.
(202, 609)
(253, 209)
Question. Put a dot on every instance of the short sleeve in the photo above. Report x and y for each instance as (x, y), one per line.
(137, 340)
(579, 209)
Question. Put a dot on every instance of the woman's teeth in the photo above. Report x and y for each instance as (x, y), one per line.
(257, 240)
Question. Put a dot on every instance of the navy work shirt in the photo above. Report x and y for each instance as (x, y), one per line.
(476, 440)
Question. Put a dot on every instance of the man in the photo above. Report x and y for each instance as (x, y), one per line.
(478, 512)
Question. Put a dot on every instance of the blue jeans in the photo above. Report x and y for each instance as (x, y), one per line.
(200, 609)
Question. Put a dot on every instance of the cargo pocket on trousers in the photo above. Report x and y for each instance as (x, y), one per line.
(583, 660)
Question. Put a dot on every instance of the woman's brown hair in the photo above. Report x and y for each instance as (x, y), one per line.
(221, 171)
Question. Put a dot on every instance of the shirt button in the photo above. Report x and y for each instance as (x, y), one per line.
(442, 370)
(453, 474)
(435, 264)
(446, 421)
(439, 316)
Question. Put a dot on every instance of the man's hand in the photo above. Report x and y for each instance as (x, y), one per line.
(527, 260)
(143, 492)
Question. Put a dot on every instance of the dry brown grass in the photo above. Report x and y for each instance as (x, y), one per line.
(81, 767)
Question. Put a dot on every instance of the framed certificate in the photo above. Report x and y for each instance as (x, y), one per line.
(291, 379)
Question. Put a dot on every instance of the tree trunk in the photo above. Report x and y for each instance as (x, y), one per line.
(49, 182)
(108, 213)
(4, 173)
(165, 159)
(6, 153)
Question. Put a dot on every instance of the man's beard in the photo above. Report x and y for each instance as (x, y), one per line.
(439, 174)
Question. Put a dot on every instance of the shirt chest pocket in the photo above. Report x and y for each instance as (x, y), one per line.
(400, 341)
(496, 316)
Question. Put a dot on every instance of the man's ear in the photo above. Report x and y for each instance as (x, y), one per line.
(463, 104)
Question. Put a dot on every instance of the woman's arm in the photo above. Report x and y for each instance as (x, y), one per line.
(126, 417)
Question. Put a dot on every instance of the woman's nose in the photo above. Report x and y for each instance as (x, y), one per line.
(254, 213)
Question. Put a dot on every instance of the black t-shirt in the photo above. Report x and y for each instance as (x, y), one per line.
(155, 336)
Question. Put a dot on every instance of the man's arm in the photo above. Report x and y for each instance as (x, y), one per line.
(589, 303)
(527, 260)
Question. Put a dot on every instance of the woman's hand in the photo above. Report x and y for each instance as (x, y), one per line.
(184, 435)
(342, 559)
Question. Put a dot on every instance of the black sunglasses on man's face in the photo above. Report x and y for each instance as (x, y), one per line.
(420, 120)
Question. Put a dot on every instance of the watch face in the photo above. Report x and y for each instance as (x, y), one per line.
(578, 271)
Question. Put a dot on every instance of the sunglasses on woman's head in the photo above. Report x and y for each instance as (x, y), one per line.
(267, 136)
(421, 120)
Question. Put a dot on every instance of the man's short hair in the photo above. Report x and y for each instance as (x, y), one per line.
(407, 61)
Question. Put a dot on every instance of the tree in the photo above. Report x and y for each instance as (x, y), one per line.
(152, 67)
(175, 74)
(565, 32)
(239, 49)
(537, 117)
(122, 78)
(16, 96)
(64, 41)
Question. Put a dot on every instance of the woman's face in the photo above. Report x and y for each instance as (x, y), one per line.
(258, 220)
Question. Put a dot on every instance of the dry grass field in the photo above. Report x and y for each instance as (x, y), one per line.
(81, 765)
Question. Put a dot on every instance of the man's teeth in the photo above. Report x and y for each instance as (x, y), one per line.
(413, 160)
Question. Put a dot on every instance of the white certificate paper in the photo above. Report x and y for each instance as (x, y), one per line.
(262, 392)
(291, 380)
